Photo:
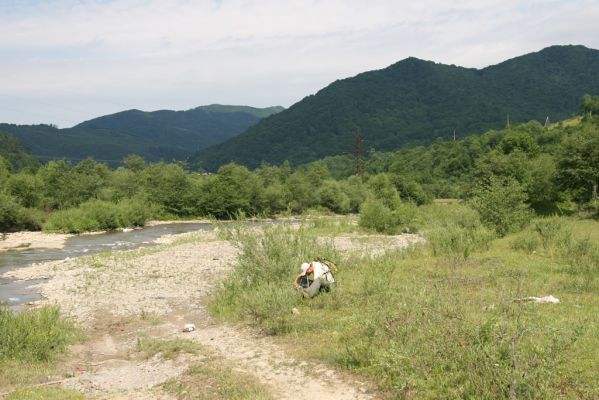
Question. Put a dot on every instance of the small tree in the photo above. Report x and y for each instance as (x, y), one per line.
(589, 105)
(501, 203)
(9, 214)
(578, 164)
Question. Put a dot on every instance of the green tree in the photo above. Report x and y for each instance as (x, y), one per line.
(234, 189)
(589, 105)
(25, 188)
(134, 163)
(167, 186)
(578, 163)
(55, 184)
(4, 171)
(331, 195)
(9, 214)
(383, 189)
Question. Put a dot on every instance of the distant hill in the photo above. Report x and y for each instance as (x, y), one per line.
(414, 102)
(165, 134)
(12, 151)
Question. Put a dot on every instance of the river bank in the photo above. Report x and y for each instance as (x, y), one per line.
(33, 240)
(120, 298)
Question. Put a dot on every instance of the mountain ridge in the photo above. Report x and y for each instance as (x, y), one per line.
(413, 102)
(155, 135)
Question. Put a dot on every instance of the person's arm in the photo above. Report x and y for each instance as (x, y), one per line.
(295, 281)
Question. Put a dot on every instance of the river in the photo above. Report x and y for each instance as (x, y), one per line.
(17, 293)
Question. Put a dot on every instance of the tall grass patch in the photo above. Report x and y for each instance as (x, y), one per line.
(562, 239)
(260, 290)
(34, 335)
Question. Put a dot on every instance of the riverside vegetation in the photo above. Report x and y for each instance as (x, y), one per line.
(440, 319)
(443, 319)
(552, 169)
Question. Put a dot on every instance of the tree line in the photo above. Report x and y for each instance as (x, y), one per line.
(524, 169)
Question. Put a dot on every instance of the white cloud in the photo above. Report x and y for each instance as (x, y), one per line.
(73, 60)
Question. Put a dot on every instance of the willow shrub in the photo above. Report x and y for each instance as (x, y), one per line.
(99, 215)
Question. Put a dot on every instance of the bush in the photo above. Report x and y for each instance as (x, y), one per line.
(375, 215)
(98, 215)
(331, 196)
(9, 213)
(133, 212)
(501, 203)
(549, 230)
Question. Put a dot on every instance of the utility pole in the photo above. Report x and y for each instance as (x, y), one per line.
(454, 135)
(508, 121)
(546, 122)
(358, 167)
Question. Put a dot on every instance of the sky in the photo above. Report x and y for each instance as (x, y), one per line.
(66, 61)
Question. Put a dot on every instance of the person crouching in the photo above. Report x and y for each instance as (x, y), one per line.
(314, 278)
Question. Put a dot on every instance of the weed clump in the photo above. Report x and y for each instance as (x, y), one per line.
(35, 335)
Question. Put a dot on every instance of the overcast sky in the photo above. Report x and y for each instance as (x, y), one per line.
(66, 61)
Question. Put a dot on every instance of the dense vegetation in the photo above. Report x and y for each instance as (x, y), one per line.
(506, 176)
(415, 102)
(160, 135)
(14, 154)
(443, 319)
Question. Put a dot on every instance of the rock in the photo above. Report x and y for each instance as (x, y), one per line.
(295, 311)
(544, 299)
(189, 328)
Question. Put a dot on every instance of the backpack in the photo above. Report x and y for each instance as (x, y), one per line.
(330, 274)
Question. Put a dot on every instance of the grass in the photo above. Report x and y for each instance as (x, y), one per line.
(34, 335)
(211, 380)
(168, 349)
(208, 378)
(44, 394)
(439, 320)
(30, 344)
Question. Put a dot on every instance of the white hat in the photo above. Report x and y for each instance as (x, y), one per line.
(304, 268)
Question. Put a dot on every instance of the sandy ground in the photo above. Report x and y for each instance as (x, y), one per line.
(114, 298)
(24, 240)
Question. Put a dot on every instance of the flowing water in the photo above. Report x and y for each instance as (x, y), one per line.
(17, 293)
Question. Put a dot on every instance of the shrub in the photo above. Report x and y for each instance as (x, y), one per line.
(501, 203)
(96, 215)
(133, 212)
(331, 196)
(375, 215)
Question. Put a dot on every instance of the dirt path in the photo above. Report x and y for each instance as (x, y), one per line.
(152, 293)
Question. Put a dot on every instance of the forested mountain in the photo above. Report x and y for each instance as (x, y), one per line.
(14, 154)
(415, 102)
(165, 134)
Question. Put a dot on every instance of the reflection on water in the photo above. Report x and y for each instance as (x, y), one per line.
(17, 293)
